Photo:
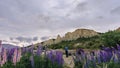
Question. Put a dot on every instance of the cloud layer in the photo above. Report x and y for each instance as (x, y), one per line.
(44, 18)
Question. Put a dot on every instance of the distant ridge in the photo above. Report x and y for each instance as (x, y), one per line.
(8, 46)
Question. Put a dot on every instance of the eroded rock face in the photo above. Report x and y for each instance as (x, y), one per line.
(118, 29)
(80, 33)
(59, 39)
(48, 42)
(72, 36)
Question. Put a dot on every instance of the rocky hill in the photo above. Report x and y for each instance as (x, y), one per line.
(72, 36)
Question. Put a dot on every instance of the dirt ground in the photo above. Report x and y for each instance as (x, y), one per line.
(68, 61)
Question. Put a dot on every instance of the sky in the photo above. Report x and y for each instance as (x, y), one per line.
(37, 20)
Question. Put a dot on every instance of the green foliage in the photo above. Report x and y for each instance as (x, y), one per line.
(89, 43)
(78, 65)
(111, 38)
(39, 61)
(8, 64)
(24, 63)
(101, 65)
(43, 62)
(113, 65)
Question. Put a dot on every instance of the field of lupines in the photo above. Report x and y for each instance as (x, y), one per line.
(27, 58)
(106, 57)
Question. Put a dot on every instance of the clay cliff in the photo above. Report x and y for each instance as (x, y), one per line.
(72, 36)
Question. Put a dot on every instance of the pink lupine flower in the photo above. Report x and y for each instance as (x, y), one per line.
(1, 63)
(4, 57)
(19, 55)
(15, 56)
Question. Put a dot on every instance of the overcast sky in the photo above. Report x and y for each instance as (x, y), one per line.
(47, 18)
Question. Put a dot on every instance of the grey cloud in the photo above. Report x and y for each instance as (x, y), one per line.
(26, 39)
(81, 7)
(35, 38)
(11, 38)
(4, 40)
(44, 38)
(100, 17)
(45, 18)
(115, 10)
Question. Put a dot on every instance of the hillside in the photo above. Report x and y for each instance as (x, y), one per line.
(8, 46)
(88, 41)
(107, 39)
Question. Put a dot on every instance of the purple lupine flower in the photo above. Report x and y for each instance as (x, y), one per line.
(88, 56)
(93, 58)
(32, 48)
(39, 50)
(113, 49)
(115, 58)
(102, 56)
(80, 55)
(85, 65)
(55, 56)
(51, 56)
(118, 47)
(10, 53)
(32, 61)
(118, 54)
(79, 51)
(59, 58)
(23, 50)
(98, 57)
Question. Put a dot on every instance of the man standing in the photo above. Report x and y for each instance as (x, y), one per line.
(66, 51)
